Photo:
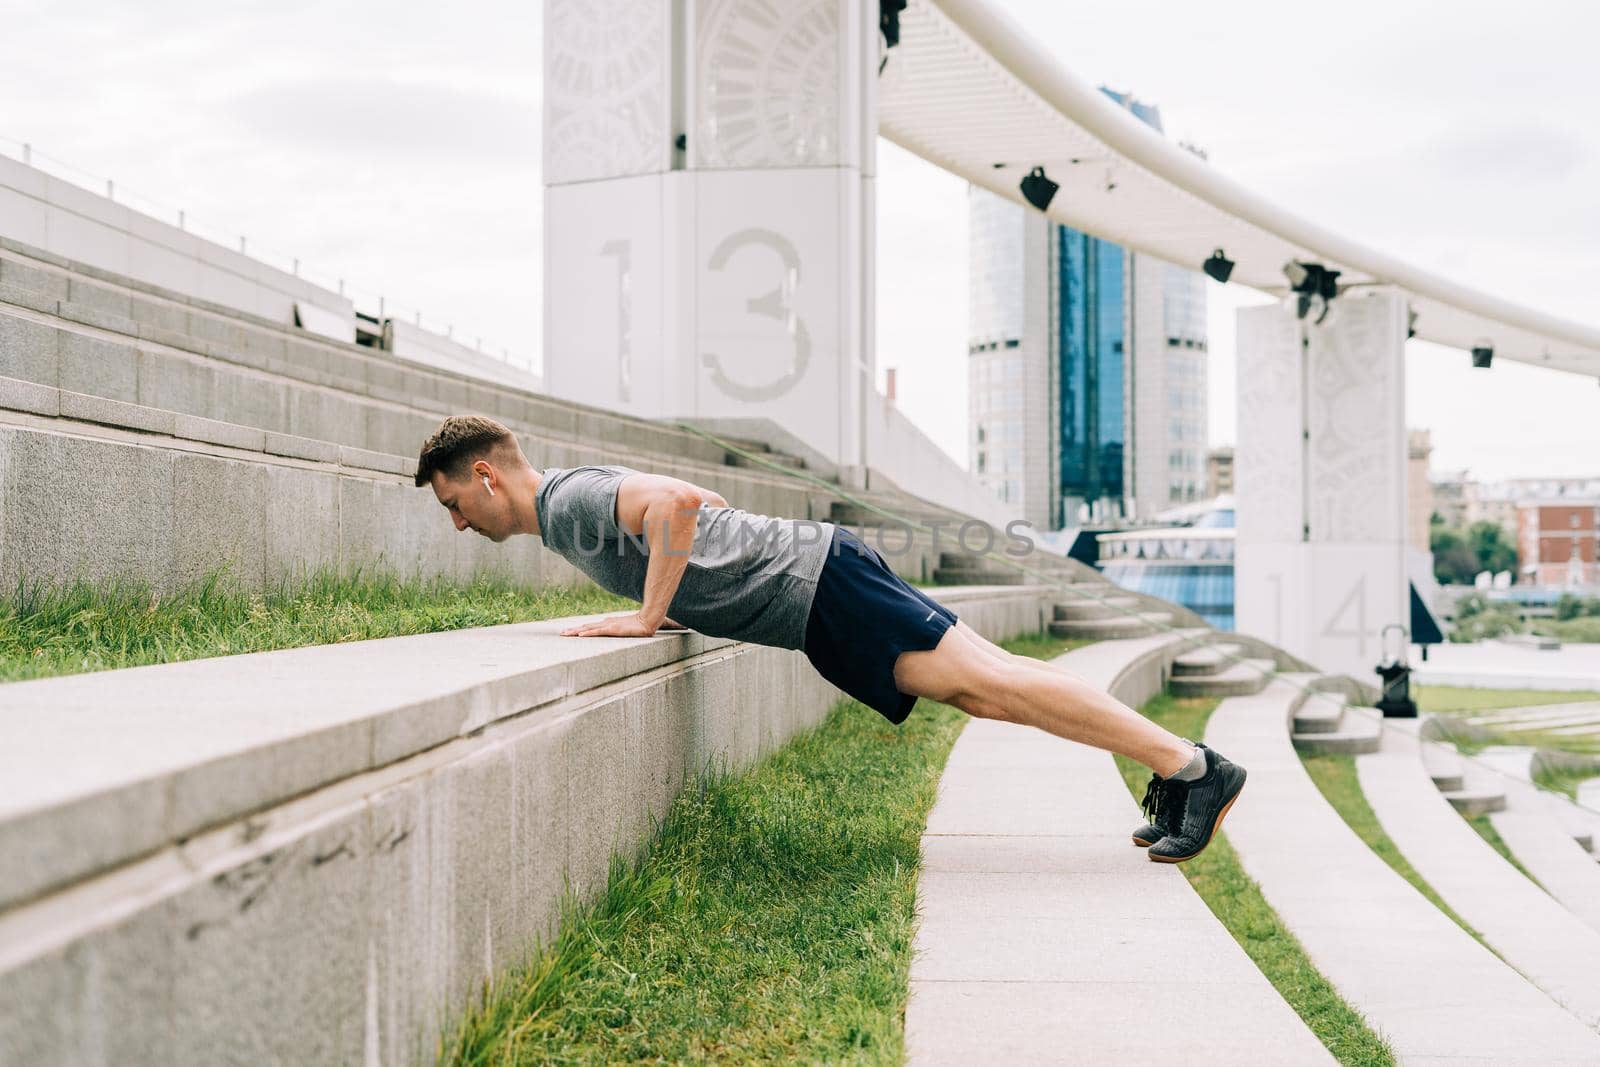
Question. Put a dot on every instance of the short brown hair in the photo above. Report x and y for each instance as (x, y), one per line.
(458, 441)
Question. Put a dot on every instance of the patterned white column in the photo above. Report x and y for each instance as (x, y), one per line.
(730, 278)
(1321, 479)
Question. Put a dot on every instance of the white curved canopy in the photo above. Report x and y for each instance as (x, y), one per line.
(970, 91)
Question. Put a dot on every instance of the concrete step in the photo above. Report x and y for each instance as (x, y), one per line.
(1319, 715)
(1444, 766)
(1360, 921)
(844, 513)
(1242, 679)
(1112, 629)
(1360, 731)
(1524, 923)
(1471, 801)
(1207, 660)
(762, 451)
(1099, 606)
(974, 576)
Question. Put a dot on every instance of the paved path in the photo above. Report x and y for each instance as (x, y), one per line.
(1433, 991)
(1047, 937)
(1499, 665)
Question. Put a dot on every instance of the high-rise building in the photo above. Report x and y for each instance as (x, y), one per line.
(1087, 376)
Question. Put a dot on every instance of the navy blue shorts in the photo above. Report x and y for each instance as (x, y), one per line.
(863, 617)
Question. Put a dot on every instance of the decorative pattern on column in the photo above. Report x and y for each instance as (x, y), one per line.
(1355, 457)
(1267, 460)
(767, 88)
(606, 87)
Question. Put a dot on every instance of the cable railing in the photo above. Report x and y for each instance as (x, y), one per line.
(369, 302)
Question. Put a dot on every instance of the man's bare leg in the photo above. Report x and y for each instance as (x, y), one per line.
(999, 653)
(962, 672)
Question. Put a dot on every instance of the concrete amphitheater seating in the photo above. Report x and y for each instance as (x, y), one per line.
(234, 442)
(1529, 928)
(1420, 980)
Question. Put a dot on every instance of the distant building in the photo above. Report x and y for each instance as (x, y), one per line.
(1087, 376)
(1419, 490)
(1452, 496)
(1219, 471)
(1556, 543)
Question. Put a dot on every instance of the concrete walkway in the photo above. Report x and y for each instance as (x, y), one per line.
(1422, 982)
(1502, 665)
(1047, 937)
(1549, 945)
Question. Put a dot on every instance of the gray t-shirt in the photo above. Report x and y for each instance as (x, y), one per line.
(750, 577)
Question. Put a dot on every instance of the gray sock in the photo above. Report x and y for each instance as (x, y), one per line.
(1194, 770)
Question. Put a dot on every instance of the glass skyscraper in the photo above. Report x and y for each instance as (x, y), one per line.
(1087, 371)
(1089, 352)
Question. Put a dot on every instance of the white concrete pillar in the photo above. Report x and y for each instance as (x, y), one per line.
(1320, 479)
(727, 275)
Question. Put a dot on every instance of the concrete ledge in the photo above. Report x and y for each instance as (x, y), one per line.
(36, 399)
(318, 855)
(115, 413)
(284, 444)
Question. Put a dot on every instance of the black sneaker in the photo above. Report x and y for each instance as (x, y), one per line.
(1196, 808)
(1164, 809)
(1160, 810)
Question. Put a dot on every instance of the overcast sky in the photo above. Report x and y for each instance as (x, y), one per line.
(397, 146)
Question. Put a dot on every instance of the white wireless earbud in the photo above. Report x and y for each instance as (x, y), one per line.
(487, 486)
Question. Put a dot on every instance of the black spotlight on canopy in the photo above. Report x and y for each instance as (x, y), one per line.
(1037, 189)
(1411, 323)
(889, 26)
(1482, 353)
(1314, 285)
(1219, 266)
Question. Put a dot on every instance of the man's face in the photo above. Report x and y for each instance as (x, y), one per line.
(472, 507)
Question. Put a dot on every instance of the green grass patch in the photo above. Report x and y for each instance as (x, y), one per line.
(770, 921)
(1487, 831)
(1336, 776)
(1236, 900)
(53, 630)
(1450, 699)
(1044, 645)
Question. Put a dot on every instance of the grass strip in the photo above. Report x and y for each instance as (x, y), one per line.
(1487, 831)
(53, 630)
(1335, 775)
(1217, 875)
(1450, 699)
(770, 920)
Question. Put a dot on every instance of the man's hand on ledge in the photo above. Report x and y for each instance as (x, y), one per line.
(621, 626)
